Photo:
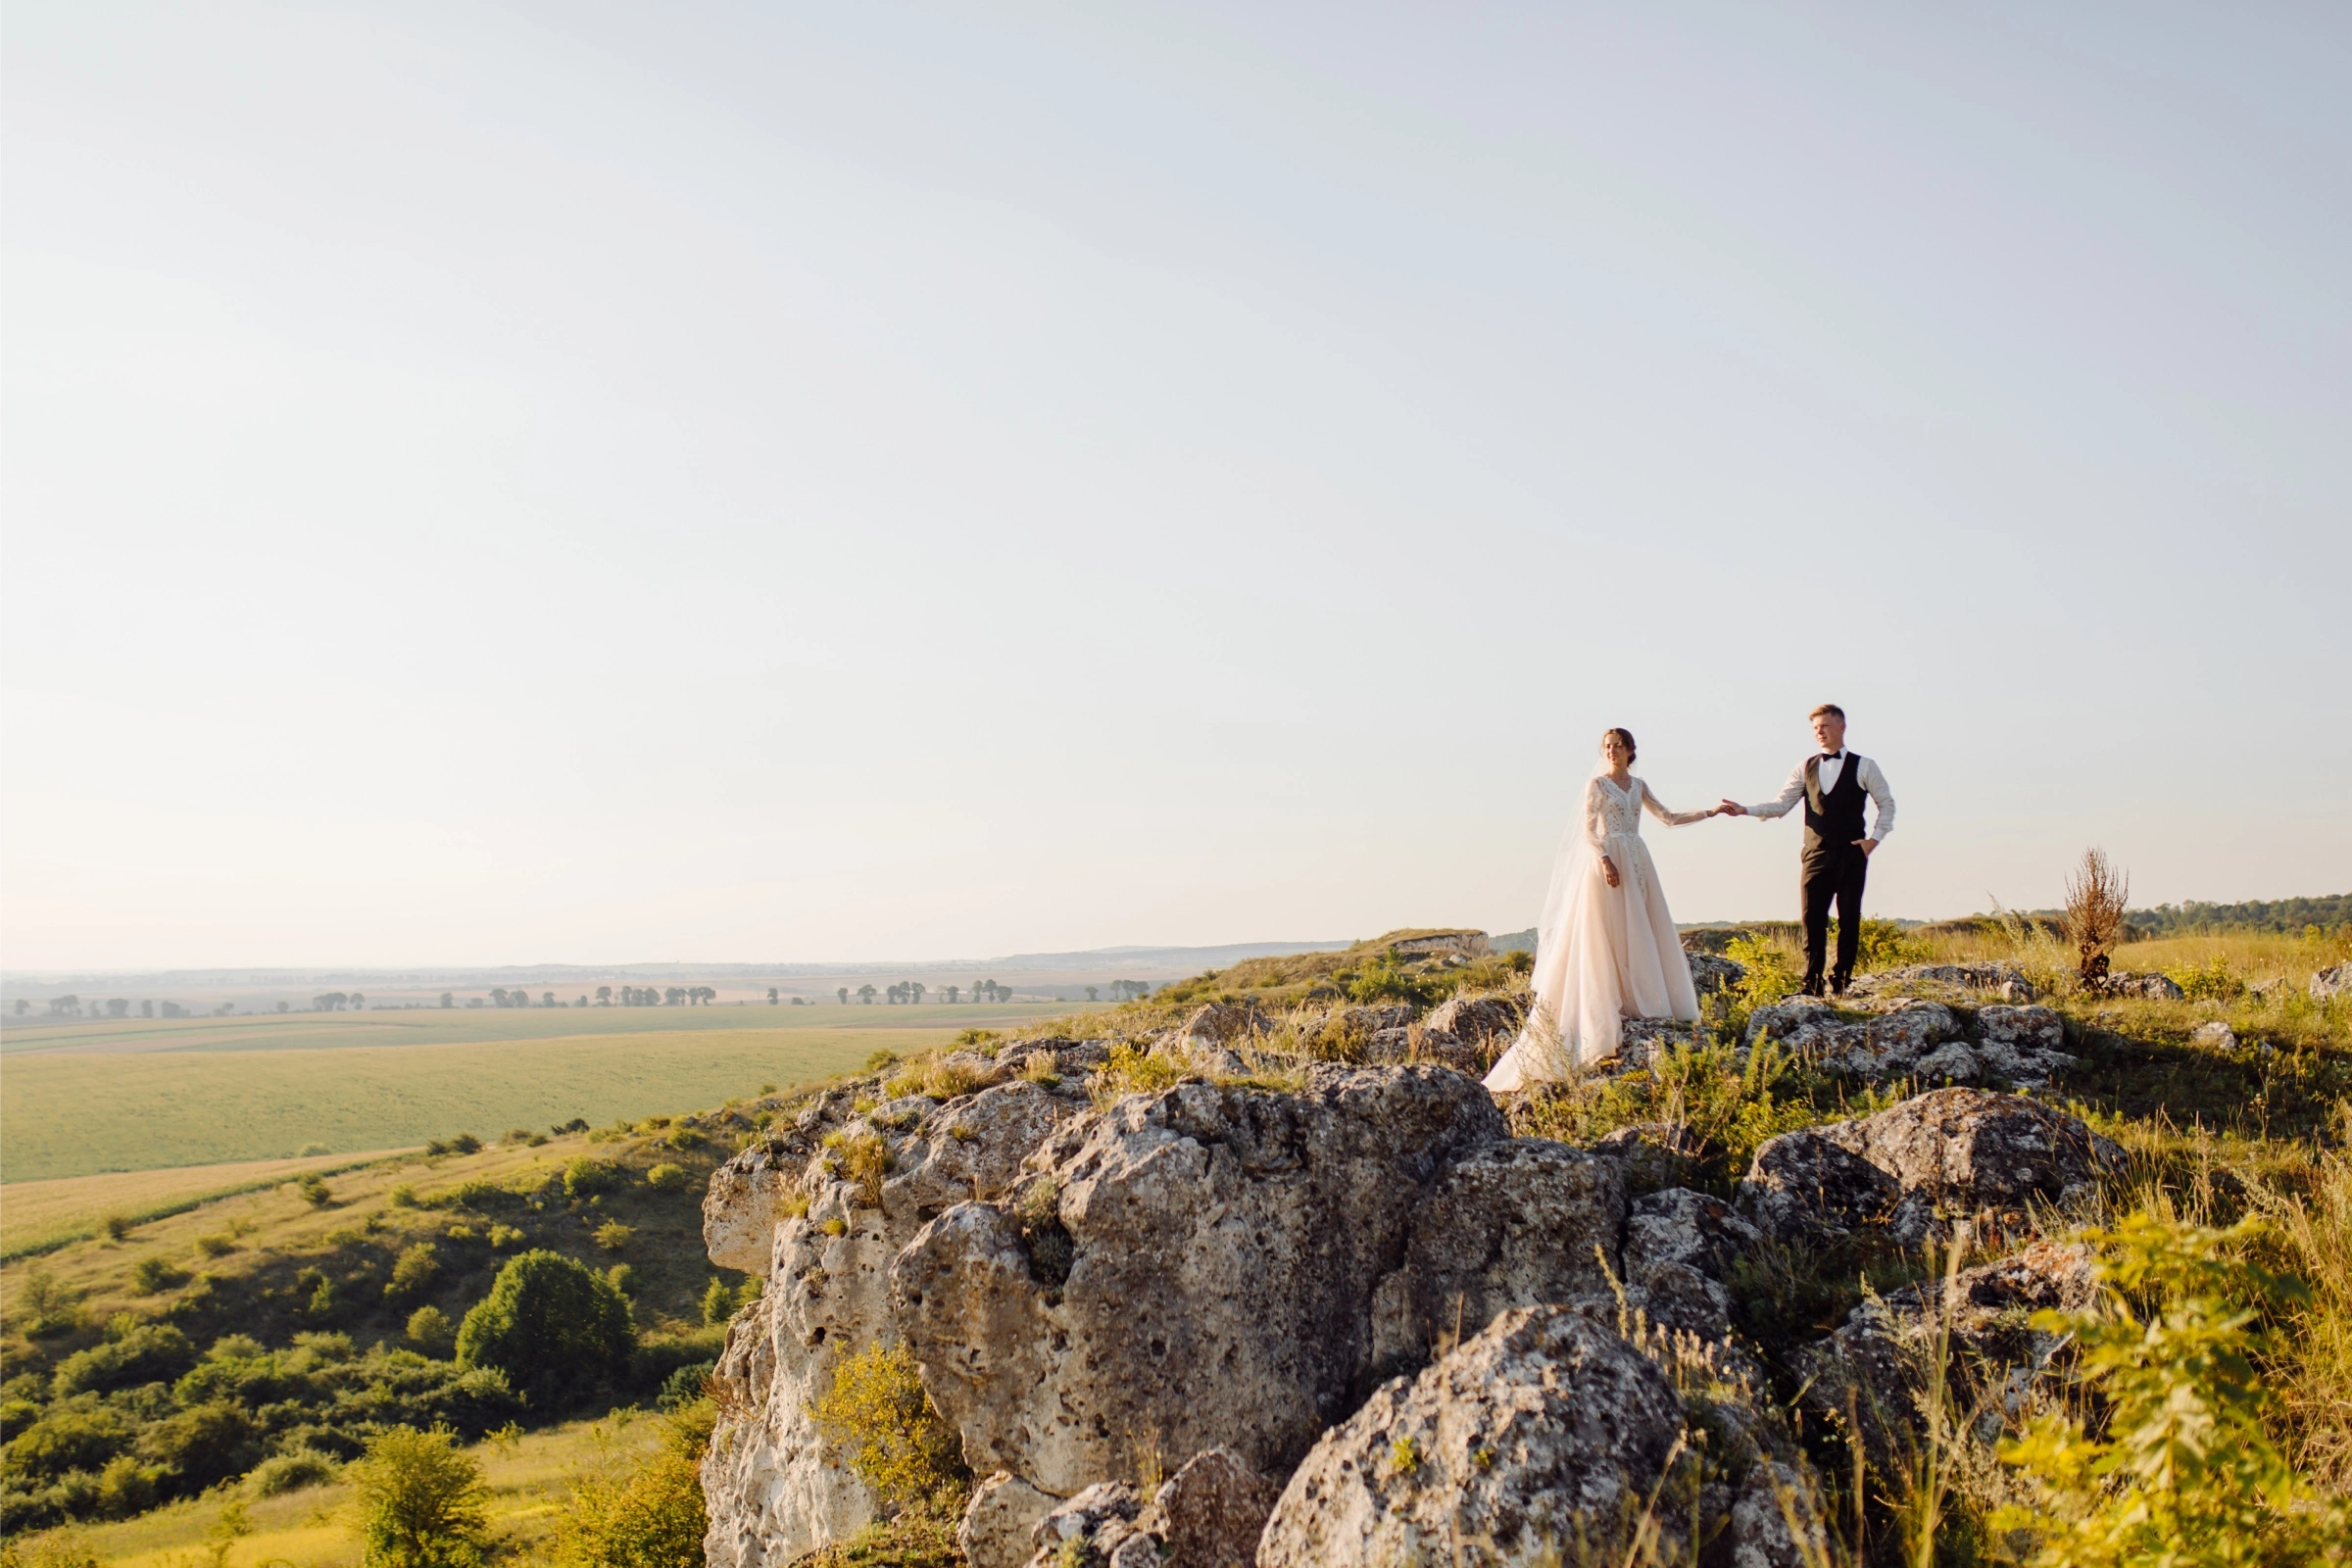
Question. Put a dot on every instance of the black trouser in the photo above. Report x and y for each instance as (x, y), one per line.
(1833, 872)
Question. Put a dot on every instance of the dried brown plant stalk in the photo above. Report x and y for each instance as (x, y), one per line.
(2094, 914)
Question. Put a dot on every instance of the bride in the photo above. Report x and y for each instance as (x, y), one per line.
(1608, 948)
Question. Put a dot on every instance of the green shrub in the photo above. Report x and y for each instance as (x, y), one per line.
(208, 1444)
(622, 1278)
(117, 1226)
(685, 1385)
(151, 1276)
(1770, 973)
(80, 1436)
(219, 1244)
(586, 1178)
(719, 1303)
(553, 1327)
(894, 1438)
(412, 1270)
(421, 1503)
(292, 1471)
(683, 1137)
(127, 1487)
(432, 1332)
(403, 1196)
(668, 1178)
(2184, 1469)
(315, 1191)
(641, 1512)
(154, 1352)
(613, 1235)
(46, 1306)
(2211, 981)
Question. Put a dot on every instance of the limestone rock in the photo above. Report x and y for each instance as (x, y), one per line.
(1871, 1371)
(2146, 987)
(2023, 1045)
(998, 1521)
(2213, 1036)
(747, 1198)
(1802, 1023)
(1893, 1044)
(1544, 1428)
(1966, 1159)
(2001, 978)
(774, 1489)
(1469, 1032)
(1101, 1515)
(1655, 1153)
(1223, 1245)
(1807, 1184)
(1711, 974)
(1209, 1513)
(1511, 1224)
(1227, 1023)
(1678, 1247)
(2329, 984)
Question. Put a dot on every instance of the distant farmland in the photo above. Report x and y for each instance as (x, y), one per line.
(116, 1101)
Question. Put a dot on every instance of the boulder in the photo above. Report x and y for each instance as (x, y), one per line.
(1468, 1033)
(1543, 1431)
(1999, 978)
(2022, 1045)
(1215, 1250)
(999, 1521)
(1711, 974)
(1102, 1516)
(1874, 1370)
(747, 1198)
(1545, 1439)
(1511, 1224)
(774, 1488)
(1804, 1023)
(1227, 1023)
(1654, 1153)
(1891, 1045)
(2146, 987)
(1806, 1185)
(2329, 984)
(1969, 1158)
(2213, 1036)
(1209, 1514)
(1680, 1245)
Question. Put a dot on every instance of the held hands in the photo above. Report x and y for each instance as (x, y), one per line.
(1731, 809)
(1608, 870)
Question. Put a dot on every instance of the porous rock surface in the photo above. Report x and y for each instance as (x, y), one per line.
(778, 1492)
(1918, 1038)
(1546, 1434)
(1953, 1161)
(1873, 1371)
(1224, 1244)
(2329, 984)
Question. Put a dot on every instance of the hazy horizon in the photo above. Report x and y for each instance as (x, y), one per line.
(902, 478)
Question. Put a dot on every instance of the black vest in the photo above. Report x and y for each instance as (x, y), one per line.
(1833, 819)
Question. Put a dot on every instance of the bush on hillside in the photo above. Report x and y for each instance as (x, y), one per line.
(645, 1513)
(894, 1438)
(667, 1178)
(152, 1352)
(553, 1327)
(432, 1332)
(421, 1503)
(293, 1471)
(586, 1178)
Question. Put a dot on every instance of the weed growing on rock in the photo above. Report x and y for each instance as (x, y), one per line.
(894, 1438)
(1131, 1071)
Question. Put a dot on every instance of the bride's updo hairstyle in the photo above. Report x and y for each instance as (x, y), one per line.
(1625, 737)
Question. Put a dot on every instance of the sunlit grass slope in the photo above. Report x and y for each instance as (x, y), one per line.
(37, 1215)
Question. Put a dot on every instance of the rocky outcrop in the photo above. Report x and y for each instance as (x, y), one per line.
(1919, 1038)
(1469, 1032)
(1223, 1246)
(2329, 984)
(1955, 1161)
(1546, 1437)
(1874, 1370)
(874, 1180)
(1206, 1515)
(2146, 987)
(2001, 979)
(1510, 1224)
(1711, 974)
(1680, 1249)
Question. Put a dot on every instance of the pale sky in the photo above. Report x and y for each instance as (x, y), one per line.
(522, 483)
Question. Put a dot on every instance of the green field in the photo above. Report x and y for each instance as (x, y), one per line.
(37, 1216)
(445, 1026)
(76, 1113)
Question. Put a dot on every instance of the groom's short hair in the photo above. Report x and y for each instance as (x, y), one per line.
(1829, 708)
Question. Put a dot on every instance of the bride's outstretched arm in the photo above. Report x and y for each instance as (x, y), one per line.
(1658, 809)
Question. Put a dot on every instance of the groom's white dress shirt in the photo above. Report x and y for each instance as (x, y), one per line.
(1832, 768)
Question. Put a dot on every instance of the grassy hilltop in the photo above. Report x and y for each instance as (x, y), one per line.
(103, 1336)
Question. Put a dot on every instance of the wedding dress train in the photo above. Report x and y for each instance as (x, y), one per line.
(1603, 952)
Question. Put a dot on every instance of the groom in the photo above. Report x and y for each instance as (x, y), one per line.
(1836, 853)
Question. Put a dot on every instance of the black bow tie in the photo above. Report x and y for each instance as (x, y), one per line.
(1831, 756)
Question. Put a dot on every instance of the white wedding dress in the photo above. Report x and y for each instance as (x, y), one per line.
(1603, 952)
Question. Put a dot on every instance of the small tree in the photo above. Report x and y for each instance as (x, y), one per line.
(553, 1326)
(603, 996)
(2094, 914)
(421, 1502)
(843, 994)
(771, 997)
(865, 994)
(449, 998)
(641, 1512)
(431, 1331)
